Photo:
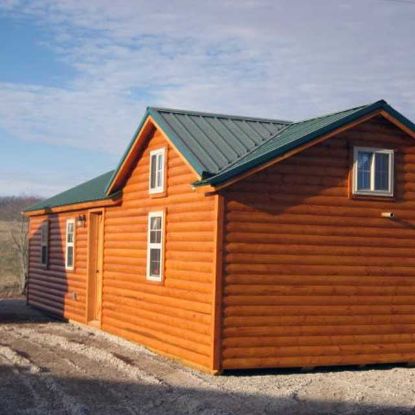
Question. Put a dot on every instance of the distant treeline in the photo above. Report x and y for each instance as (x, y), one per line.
(11, 206)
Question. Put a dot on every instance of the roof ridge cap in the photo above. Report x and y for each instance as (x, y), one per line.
(219, 115)
(359, 107)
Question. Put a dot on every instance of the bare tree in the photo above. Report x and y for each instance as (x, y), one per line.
(19, 237)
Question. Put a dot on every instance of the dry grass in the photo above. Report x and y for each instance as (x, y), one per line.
(9, 263)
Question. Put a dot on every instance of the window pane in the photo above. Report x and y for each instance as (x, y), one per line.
(159, 178)
(44, 234)
(382, 171)
(155, 223)
(155, 262)
(155, 230)
(70, 232)
(69, 256)
(44, 255)
(159, 170)
(363, 170)
(160, 162)
(153, 168)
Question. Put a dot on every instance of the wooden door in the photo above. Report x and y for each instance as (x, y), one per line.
(95, 261)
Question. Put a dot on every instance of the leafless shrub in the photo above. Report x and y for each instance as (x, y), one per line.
(19, 238)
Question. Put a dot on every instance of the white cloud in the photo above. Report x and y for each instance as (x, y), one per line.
(286, 59)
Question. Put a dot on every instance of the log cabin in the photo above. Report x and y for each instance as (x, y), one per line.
(231, 242)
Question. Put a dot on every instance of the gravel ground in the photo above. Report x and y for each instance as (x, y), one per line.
(50, 367)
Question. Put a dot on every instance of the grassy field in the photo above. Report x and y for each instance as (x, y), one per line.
(9, 262)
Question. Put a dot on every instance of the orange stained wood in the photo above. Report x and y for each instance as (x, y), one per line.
(217, 315)
(95, 265)
(55, 289)
(313, 276)
(174, 317)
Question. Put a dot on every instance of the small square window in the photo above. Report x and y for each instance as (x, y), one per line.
(157, 166)
(373, 171)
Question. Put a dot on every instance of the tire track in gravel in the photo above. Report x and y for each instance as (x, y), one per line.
(80, 369)
(163, 397)
(167, 370)
(26, 369)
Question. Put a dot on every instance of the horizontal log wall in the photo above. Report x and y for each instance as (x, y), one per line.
(312, 276)
(175, 317)
(54, 289)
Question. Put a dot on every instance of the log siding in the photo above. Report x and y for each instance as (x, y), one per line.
(314, 276)
(173, 317)
(54, 288)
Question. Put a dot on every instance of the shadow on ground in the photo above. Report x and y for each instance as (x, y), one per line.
(15, 310)
(37, 376)
(92, 396)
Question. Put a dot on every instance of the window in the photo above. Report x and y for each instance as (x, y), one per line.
(373, 171)
(44, 243)
(157, 171)
(70, 244)
(155, 246)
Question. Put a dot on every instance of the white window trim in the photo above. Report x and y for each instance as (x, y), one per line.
(159, 245)
(69, 244)
(158, 189)
(373, 192)
(44, 229)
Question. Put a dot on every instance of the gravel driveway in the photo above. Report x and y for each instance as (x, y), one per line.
(50, 367)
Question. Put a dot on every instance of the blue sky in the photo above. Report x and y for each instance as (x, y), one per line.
(75, 77)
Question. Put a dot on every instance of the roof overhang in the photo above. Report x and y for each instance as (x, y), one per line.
(113, 201)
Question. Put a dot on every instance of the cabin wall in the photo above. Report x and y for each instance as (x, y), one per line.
(175, 317)
(53, 288)
(313, 277)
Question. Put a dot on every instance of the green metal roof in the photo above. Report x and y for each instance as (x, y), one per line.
(214, 141)
(86, 192)
(295, 135)
(220, 147)
(209, 142)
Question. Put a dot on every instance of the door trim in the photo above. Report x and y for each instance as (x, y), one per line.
(100, 246)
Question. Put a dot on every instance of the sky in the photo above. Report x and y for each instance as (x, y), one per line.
(76, 76)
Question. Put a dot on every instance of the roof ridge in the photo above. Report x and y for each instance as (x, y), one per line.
(317, 129)
(218, 115)
(337, 112)
(293, 124)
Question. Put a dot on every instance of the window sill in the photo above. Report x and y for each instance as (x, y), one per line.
(384, 198)
(158, 195)
(155, 282)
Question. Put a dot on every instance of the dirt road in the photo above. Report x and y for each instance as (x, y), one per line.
(50, 367)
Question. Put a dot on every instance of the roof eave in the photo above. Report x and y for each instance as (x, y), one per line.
(111, 200)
